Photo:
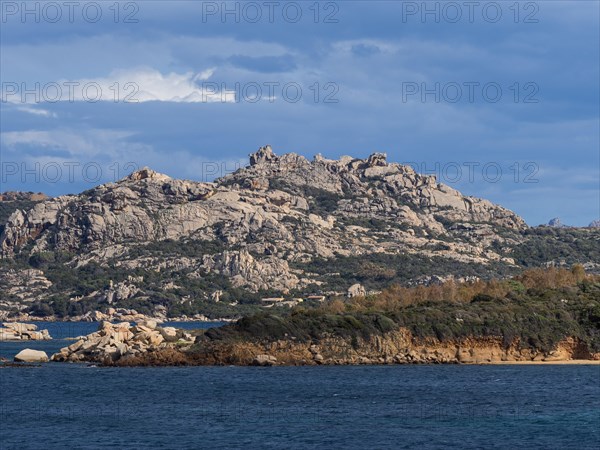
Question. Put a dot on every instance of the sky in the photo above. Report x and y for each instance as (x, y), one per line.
(500, 100)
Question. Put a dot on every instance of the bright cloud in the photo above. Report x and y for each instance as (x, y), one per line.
(37, 111)
(122, 86)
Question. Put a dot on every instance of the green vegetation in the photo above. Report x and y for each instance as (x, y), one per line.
(303, 325)
(186, 297)
(188, 289)
(538, 309)
(182, 247)
(571, 245)
(379, 270)
(537, 319)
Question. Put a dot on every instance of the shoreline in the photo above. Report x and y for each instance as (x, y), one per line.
(566, 362)
(150, 344)
(115, 320)
(574, 362)
(580, 362)
(188, 363)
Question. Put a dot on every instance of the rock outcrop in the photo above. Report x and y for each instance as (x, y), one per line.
(556, 223)
(264, 154)
(264, 360)
(115, 341)
(356, 290)
(21, 287)
(14, 331)
(147, 206)
(31, 356)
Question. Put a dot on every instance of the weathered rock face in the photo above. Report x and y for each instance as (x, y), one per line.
(264, 154)
(245, 270)
(356, 290)
(14, 331)
(383, 187)
(397, 347)
(23, 285)
(115, 341)
(556, 223)
(110, 214)
(253, 227)
(31, 356)
(148, 206)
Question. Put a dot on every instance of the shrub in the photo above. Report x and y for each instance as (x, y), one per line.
(556, 307)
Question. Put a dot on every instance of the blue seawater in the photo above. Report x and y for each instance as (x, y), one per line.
(78, 406)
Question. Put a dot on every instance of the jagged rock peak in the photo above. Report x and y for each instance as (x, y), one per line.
(556, 223)
(594, 224)
(262, 155)
(377, 159)
(266, 154)
(147, 173)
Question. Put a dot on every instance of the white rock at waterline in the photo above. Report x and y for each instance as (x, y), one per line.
(29, 355)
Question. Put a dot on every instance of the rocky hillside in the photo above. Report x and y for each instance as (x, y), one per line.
(284, 228)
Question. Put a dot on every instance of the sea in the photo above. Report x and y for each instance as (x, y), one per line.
(81, 406)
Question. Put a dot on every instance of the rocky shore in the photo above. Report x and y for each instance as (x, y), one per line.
(149, 345)
(397, 347)
(114, 315)
(113, 342)
(16, 331)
